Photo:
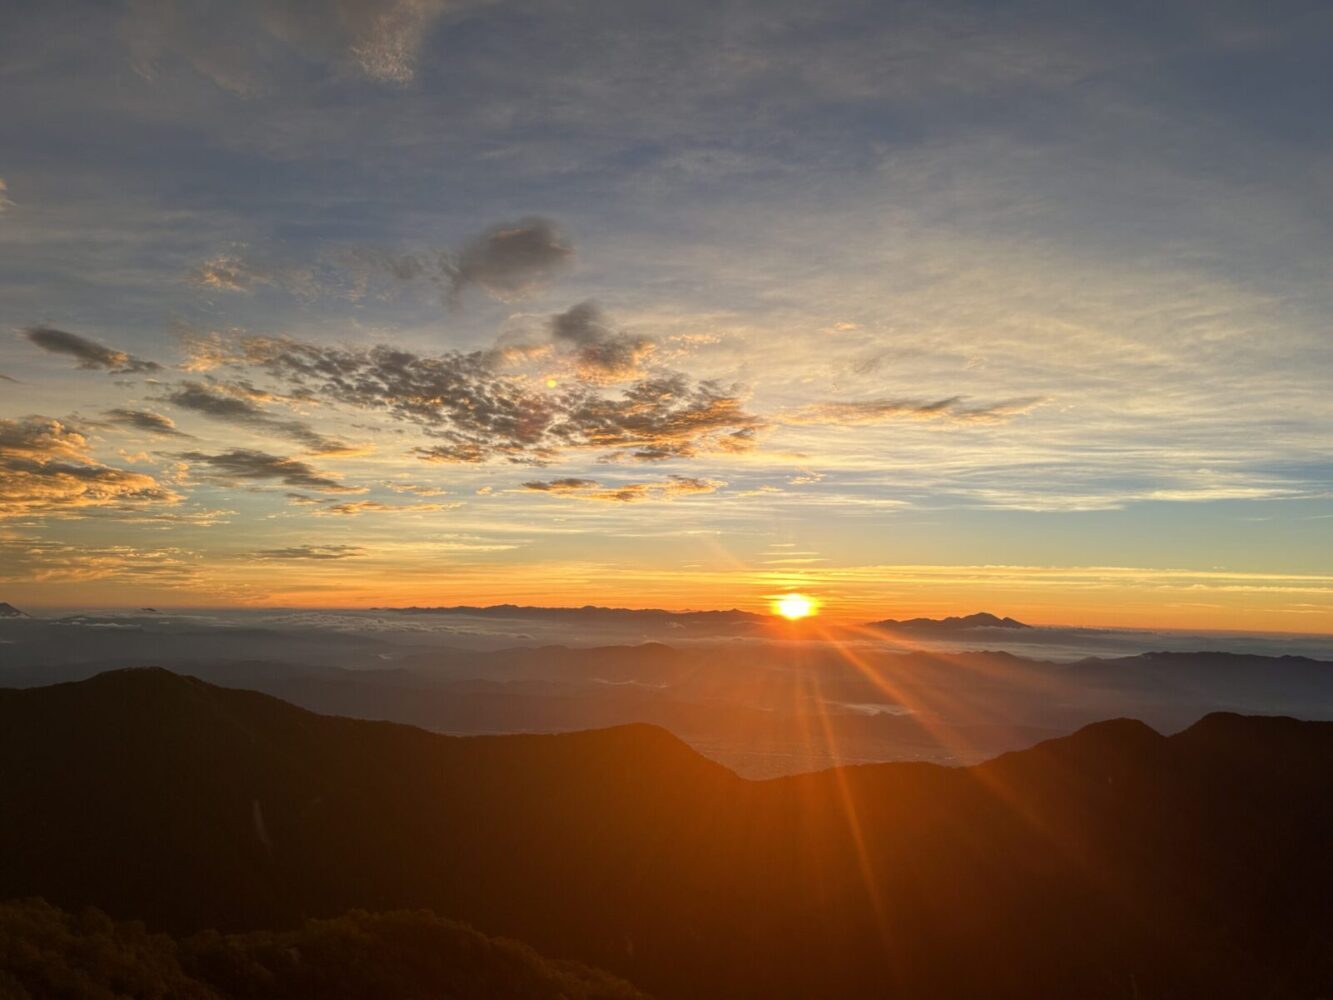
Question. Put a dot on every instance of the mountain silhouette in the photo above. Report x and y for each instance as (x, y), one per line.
(1110, 863)
(8, 610)
(953, 623)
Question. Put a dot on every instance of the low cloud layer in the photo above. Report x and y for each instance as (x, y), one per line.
(46, 467)
(88, 353)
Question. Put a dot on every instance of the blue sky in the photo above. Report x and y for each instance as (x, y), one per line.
(994, 289)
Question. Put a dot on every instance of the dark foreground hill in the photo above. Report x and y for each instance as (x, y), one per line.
(1112, 863)
(46, 952)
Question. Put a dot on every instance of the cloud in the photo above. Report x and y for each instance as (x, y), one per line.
(421, 491)
(46, 467)
(317, 552)
(511, 259)
(245, 464)
(30, 561)
(875, 411)
(228, 402)
(89, 353)
(478, 415)
(4, 200)
(144, 420)
(600, 353)
(591, 489)
(247, 46)
(355, 507)
(229, 273)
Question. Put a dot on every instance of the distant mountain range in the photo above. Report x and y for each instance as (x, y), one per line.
(590, 613)
(8, 610)
(1115, 862)
(981, 619)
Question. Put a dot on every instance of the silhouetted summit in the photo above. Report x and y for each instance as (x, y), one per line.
(1114, 862)
(8, 610)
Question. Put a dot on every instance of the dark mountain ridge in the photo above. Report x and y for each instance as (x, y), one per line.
(1109, 863)
(954, 623)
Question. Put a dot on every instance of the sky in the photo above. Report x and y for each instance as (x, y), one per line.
(918, 308)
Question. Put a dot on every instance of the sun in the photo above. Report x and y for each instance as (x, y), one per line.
(793, 606)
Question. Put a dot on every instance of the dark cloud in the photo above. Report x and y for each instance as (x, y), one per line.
(234, 404)
(245, 464)
(317, 552)
(144, 420)
(89, 353)
(511, 259)
(478, 415)
(46, 466)
(591, 489)
(874, 411)
(600, 353)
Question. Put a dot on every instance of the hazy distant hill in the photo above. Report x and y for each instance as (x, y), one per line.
(1115, 862)
(8, 610)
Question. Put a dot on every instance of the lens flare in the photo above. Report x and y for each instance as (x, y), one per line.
(794, 606)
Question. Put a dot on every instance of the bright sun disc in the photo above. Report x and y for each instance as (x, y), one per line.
(793, 606)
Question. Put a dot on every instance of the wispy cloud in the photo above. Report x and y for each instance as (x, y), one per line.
(590, 489)
(315, 552)
(243, 465)
(353, 508)
(221, 401)
(144, 420)
(246, 47)
(875, 411)
(88, 353)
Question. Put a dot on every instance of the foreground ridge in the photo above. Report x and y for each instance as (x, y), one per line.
(1110, 860)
